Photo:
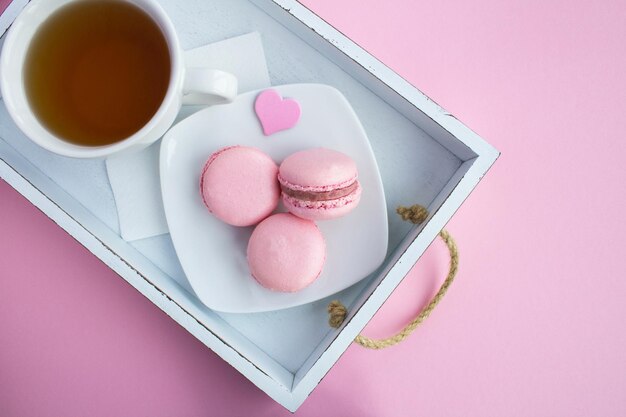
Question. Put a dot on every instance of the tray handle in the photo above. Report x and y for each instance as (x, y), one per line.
(337, 311)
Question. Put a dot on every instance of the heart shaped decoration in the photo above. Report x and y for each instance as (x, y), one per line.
(276, 113)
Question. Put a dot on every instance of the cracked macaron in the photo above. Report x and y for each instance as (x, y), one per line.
(286, 253)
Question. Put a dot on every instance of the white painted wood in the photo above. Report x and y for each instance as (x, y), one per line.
(140, 272)
(424, 154)
(10, 13)
(411, 162)
(395, 90)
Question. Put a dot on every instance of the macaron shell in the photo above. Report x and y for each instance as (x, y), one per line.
(286, 253)
(239, 186)
(322, 210)
(317, 169)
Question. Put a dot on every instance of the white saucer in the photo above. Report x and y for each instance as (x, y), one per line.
(213, 254)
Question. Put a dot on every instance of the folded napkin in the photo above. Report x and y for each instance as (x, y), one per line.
(135, 177)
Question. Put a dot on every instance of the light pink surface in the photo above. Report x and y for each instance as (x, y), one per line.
(286, 253)
(239, 186)
(275, 112)
(534, 325)
(4, 4)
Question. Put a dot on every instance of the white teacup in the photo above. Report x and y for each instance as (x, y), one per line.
(186, 85)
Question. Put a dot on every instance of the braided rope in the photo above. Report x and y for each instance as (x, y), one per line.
(337, 311)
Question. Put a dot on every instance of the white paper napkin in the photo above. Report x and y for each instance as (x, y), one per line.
(135, 177)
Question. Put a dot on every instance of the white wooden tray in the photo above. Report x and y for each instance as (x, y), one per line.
(425, 156)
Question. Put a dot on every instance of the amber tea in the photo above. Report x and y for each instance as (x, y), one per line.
(97, 71)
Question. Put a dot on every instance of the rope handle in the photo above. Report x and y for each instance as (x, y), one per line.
(337, 311)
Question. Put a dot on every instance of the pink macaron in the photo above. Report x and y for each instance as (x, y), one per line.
(286, 253)
(319, 184)
(238, 185)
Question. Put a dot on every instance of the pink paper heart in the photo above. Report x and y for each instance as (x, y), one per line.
(276, 113)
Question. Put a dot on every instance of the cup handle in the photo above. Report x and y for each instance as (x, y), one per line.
(208, 86)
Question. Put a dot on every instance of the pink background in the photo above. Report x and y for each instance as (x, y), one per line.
(4, 4)
(535, 324)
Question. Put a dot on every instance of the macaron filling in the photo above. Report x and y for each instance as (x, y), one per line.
(310, 195)
(325, 204)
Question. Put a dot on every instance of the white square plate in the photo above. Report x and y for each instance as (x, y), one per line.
(213, 254)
